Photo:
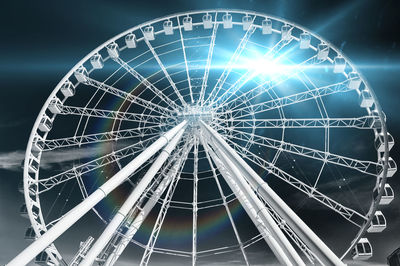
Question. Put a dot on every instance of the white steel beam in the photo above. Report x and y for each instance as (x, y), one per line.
(262, 211)
(363, 122)
(195, 191)
(223, 197)
(82, 208)
(127, 96)
(145, 82)
(166, 74)
(52, 144)
(209, 57)
(318, 247)
(144, 212)
(249, 204)
(111, 228)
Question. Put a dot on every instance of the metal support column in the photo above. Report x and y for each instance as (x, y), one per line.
(85, 206)
(318, 247)
(130, 201)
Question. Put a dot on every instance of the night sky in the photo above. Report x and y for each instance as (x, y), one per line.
(42, 41)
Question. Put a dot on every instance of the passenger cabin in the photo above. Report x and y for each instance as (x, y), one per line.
(207, 21)
(380, 142)
(45, 124)
(266, 26)
(340, 64)
(113, 50)
(227, 21)
(376, 120)
(322, 51)
(43, 259)
(68, 89)
(362, 251)
(81, 74)
(130, 40)
(354, 81)
(55, 106)
(286, 33)
(168, 27)
(97, 61)
(187, 23)
(38, 143)
(246, 22)
(33, 165)
(378, 223)
(148, 33)
(30, 234)
(387, 195)
(392, 167)
(365, 99)
(305, 40)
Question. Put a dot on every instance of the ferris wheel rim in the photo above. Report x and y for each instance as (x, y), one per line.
(374, 204)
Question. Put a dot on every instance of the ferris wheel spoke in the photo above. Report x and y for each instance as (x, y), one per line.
(209, 57)
(349, 214)
(231, 64)
(268, 85)
(166, 74)
(125, 116)
(127, 96)
(154, 193)
(213, 169)
(340, 87)
(148, 84)
(366, 167)
(52, 144)
(249, 75)
(50, 182)
(185, 59)
(195, 199)
(363, 122)
(160, 220)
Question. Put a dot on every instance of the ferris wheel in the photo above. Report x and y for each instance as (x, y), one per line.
(207, 135)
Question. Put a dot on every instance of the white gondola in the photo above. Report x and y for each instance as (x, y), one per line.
(168, 27)
(227, 21)
(97, 61)
(55, 106)
(43, 259)
(33, 165)
(45, 124)
(130, 40)
(305, 40)
(207, 21)
(376, 121)
(148, 33)
(68, 89)
(392, 167)
(380, 142)
(378, 223)
(322, 51)
(30, 234)
(340, 65)
(113, 50)
(246, 21)
(387, 195)
(365, 99)
(38, 143)
(286, 33)
(266, 25)
(187, 23)
(362, 251)
(81, 74)
(354, 81)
